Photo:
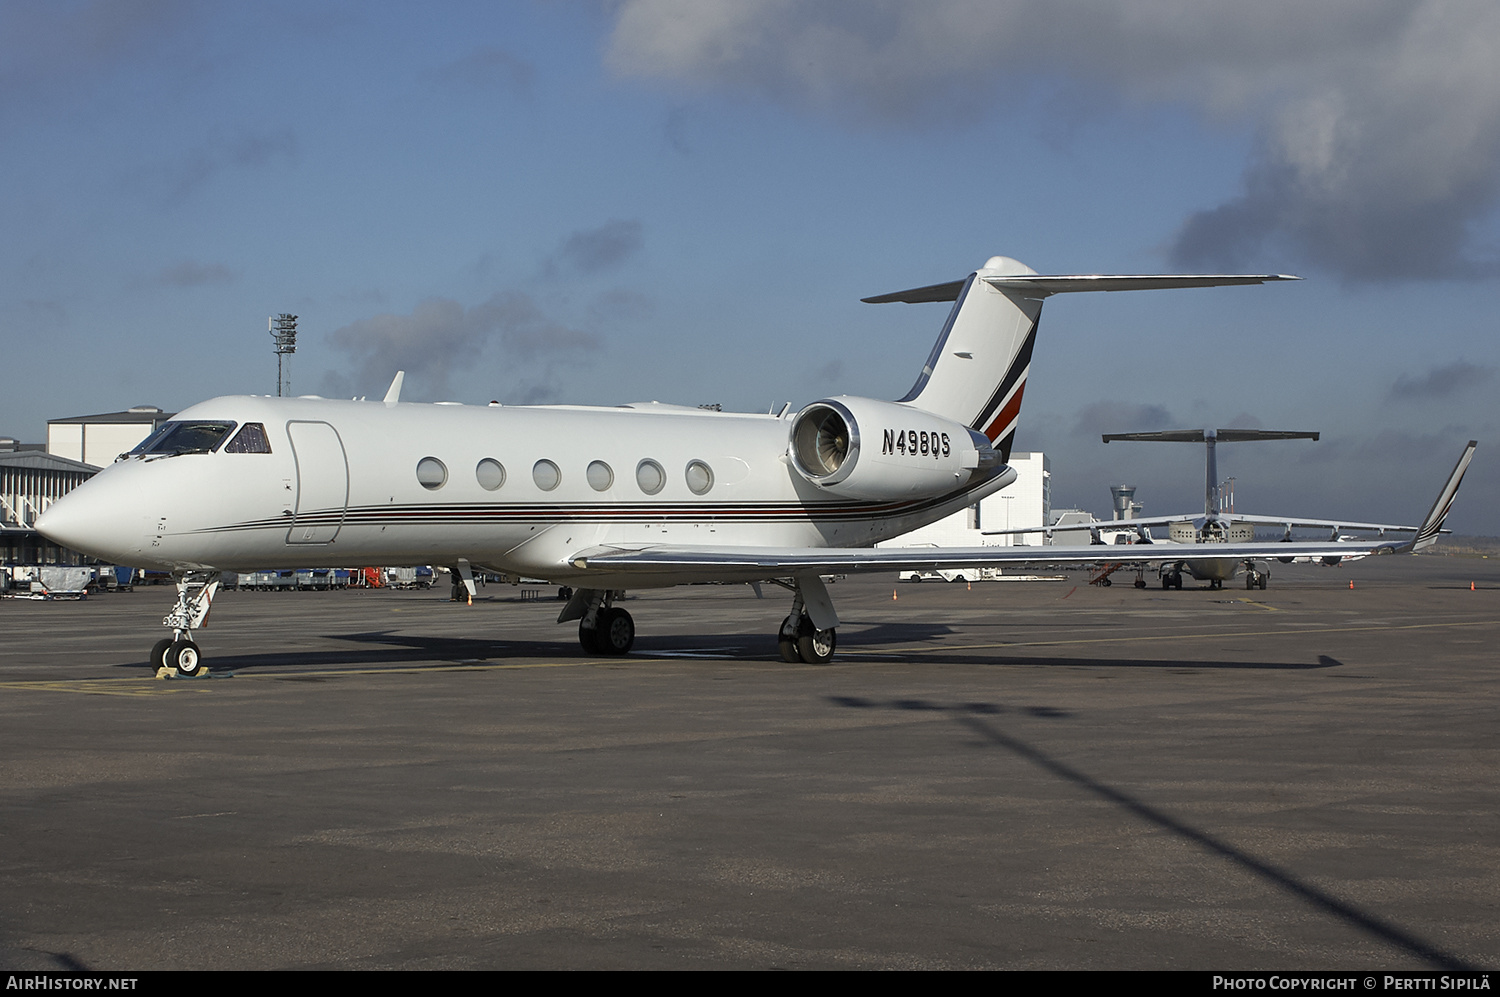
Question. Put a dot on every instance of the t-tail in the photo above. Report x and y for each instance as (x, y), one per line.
(976, 374)
(1210, 437)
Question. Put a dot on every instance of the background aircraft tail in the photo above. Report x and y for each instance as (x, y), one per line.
(976, 374)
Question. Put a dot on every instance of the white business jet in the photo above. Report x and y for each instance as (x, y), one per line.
(599, 499)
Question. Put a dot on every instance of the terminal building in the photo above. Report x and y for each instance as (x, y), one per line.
(31, 480)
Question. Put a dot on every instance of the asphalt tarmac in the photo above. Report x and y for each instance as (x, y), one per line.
(1010, 775)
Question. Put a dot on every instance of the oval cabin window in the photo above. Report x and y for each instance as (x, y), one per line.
(491, 474)
(600, 476)
(546, 475)
(432, 474)
(650, 476)
(700, 477)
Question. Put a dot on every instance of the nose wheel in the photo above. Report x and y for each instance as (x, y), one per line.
(184, 656)
(195, 594)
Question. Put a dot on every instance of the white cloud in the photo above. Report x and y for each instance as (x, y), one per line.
(1377, 121)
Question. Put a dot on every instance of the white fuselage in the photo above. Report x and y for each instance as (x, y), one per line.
(340, 486)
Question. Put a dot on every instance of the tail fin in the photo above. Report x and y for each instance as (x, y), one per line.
(976, 374)
(1433, 525)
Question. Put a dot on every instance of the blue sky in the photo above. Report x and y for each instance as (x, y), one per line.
(606, 202)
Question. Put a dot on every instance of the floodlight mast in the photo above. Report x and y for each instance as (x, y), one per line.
(283, 329)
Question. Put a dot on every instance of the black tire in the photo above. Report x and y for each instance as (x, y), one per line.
(1166, 582)
(159, 653)
(1105, 581)
(184, 656)
(786, 641)
(959, 578)
(1249, 582)
(588, 639)
(1263, 580)
(616, 632)
(817, 647)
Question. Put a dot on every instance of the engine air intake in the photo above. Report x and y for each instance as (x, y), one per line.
(824, 440)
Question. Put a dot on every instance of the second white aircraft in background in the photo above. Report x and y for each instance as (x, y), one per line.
(1218, 525)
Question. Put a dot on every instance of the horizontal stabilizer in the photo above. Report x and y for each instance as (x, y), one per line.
(1204, 435)
(1042, 285)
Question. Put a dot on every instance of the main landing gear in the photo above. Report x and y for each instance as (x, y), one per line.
(800, 637)
(195, 595)
(603, 628)
(798, 640)
(808, 634)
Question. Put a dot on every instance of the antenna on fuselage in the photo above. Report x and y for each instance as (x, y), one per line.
(393, 394)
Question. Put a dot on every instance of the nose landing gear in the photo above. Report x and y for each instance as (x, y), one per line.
(180, 653)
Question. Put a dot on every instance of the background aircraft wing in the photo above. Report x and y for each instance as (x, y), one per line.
(1297, 523)
(1103, 525)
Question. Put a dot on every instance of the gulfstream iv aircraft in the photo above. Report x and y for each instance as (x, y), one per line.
(601, 499)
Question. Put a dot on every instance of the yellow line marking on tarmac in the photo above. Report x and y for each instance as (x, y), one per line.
(133, 686)
(420, 669)
(1192, 636)
(1260, 605)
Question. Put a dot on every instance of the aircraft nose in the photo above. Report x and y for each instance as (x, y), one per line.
(94, 519)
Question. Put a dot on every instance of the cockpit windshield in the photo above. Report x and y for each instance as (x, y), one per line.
(184, 437)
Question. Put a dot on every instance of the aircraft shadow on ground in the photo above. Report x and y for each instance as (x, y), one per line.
(876, 643)
(974, 717)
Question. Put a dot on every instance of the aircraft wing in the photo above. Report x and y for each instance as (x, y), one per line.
(1293, 522)
(755, 563)
(684, 564)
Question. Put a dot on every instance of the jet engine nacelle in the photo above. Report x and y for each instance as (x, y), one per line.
(868, 449)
